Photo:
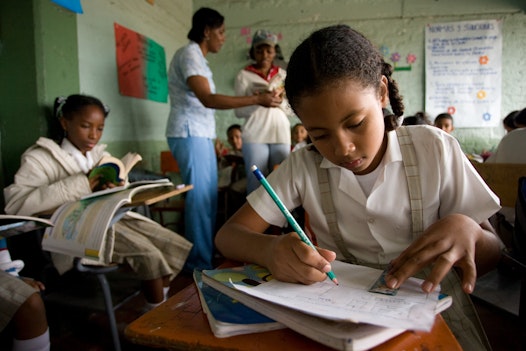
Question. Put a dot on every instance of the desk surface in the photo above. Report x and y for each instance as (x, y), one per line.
(180, 324)
(153, 195)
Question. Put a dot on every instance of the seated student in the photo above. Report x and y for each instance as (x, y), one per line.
(230, 158)
(22, 307)
(232, 175)
(512, 145)
(431, 224)
(444, 121)
(53, 173)
(299, 136)
(419, 118)
(509, 121)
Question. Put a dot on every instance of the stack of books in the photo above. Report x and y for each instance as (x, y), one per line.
(345, 317)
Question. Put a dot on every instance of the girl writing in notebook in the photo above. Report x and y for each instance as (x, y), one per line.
(375, 194)
(52, 174)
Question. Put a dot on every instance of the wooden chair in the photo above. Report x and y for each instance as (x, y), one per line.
(175, 205)
(502, 178)
(497, 287)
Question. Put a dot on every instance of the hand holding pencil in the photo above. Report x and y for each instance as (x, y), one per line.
(287, 214)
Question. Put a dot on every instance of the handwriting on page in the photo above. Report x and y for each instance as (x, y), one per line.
(351, 300)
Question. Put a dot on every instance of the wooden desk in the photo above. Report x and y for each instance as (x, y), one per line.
(151, 196)
(180, 324)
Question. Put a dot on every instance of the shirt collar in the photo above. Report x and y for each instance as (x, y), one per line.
(84, 162)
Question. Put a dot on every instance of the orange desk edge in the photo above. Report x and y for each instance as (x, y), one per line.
(180, 324)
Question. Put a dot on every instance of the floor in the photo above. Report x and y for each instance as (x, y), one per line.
(75, 327)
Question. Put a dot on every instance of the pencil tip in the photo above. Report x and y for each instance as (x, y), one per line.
(336, 281)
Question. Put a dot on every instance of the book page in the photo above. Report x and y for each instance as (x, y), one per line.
(11, 225)
(163, 181)
(410, 308)
(130, 160)
(81, 227)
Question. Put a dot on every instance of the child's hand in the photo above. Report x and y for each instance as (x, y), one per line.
(95, 185)
(449, 242)
(291, 260)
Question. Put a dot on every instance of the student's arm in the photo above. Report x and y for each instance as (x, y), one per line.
(199, 85)
(288, 259)
(33, 192)
(455, 241)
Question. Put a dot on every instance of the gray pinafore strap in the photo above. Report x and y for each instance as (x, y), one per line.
(461, 317)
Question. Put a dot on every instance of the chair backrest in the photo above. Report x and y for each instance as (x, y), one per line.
(168, 163)
(502, 178)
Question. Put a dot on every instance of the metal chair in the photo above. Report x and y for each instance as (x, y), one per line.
(100, 272)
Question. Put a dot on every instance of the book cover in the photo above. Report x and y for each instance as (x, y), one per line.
(227, 316)
(335, 333)
(113, 170)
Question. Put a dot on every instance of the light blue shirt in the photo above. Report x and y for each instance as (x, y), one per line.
(188, 116)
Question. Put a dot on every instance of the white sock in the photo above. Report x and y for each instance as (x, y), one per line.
(40, 343)
(6, 264)
(165, 291)
(150, 306)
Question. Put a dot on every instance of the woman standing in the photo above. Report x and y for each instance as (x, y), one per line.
(190, 130)
(266, 131)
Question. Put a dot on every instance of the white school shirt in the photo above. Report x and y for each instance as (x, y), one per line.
(377, 228)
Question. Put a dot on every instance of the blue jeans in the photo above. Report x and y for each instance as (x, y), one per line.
(265, 157)
(198, 164)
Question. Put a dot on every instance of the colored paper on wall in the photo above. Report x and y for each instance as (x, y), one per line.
(141, 66)
(72, 5)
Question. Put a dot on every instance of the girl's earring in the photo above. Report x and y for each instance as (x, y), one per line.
(65, 133)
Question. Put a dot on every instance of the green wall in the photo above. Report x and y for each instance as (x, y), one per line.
(38, 54)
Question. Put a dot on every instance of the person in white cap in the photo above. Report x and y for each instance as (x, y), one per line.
(266, 130)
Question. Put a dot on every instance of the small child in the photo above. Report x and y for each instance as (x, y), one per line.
(299, 136)
(231, 165)
(444, 121)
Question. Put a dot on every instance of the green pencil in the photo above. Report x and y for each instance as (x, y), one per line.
(287, 214)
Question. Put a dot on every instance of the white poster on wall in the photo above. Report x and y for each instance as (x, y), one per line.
(463, 71)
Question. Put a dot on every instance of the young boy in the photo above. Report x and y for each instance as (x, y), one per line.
(444, 121)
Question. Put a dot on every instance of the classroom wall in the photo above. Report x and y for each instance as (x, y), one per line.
(46, 51)
(133, 124)
(396, 24)
(38, 60)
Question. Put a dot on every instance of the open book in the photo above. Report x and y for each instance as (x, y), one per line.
(228, 317)
(162, 181)
(81, 227)
(295, 307)
(11, 225)
(113, 170)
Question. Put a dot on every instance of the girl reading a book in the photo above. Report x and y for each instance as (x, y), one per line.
(52, 174)
(376, 194)
(266, 137)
